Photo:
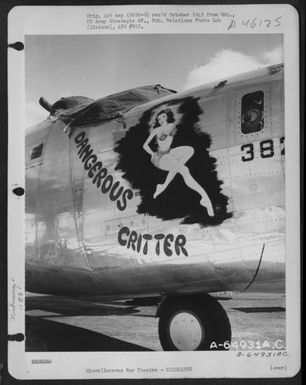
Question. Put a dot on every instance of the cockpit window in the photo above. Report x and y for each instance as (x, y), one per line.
(37, 151)
(252, 112)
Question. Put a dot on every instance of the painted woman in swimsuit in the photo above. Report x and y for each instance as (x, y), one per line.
(173, 160)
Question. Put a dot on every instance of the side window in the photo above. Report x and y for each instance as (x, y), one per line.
(252, 112)
(37, 151)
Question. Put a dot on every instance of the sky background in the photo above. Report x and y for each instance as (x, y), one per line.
(100, 65)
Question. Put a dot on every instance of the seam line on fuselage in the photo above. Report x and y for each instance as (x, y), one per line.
(256, 272)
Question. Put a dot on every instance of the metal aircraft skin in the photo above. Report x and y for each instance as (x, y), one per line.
(93, 232)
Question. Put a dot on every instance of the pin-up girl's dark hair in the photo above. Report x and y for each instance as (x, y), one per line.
(169, 114)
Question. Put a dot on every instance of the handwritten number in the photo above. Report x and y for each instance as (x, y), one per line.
(268, 23)
(245, 22)
(253, 23)
(277, 21)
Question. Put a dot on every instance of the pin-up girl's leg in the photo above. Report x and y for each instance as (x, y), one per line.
(194, 185)
(162, 187)
(180, 154)
(169, 163)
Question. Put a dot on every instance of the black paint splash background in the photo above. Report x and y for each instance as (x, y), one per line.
(178, 200)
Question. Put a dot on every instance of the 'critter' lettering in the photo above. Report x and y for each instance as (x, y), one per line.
(159, 243)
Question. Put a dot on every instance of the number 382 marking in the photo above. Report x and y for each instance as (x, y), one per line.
(266, 149)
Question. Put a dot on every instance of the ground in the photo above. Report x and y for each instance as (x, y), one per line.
(66, 324)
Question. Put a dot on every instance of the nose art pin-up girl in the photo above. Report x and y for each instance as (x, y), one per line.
(172, 159)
